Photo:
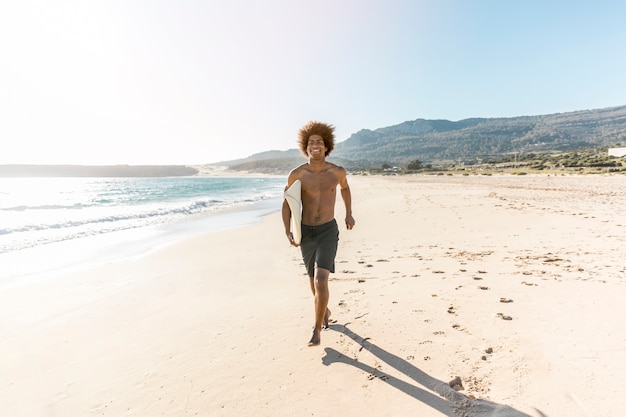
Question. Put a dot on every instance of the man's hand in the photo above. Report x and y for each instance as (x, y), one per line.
(349, 222)
(290, 238)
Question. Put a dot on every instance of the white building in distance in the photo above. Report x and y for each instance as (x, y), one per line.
(617, 151)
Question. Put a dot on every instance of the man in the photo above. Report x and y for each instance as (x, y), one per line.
(320, 233)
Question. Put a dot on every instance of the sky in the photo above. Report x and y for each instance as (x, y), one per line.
(190, 82)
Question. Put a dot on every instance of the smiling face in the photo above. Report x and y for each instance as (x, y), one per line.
(319, 132)
(316, 148)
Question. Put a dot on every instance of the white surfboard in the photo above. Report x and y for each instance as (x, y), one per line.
(293, 195)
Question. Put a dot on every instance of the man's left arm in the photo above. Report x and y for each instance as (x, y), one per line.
(347, 198)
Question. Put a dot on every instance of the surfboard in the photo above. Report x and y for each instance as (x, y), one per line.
(293, 195)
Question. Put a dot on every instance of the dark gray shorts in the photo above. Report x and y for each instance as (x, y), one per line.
(319, 246)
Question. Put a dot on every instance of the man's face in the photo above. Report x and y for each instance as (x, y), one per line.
(316, 147)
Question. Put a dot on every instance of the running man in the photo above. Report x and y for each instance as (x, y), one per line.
(320, 233)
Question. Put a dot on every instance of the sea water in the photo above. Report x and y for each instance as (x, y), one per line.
(43, 219)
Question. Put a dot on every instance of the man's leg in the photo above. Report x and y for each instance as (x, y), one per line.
(320, 288)
(327, 315)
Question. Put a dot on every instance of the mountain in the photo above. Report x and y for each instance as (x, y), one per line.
(263, 156)
(468, 140)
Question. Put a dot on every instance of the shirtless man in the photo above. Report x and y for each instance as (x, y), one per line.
(320, 233)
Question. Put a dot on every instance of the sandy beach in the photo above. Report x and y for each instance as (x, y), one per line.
(514, 284)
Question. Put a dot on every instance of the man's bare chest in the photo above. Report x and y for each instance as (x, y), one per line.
(319, 184)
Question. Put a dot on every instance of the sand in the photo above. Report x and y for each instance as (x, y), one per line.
(514, 284)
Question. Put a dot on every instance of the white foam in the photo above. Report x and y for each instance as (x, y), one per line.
(46, 260)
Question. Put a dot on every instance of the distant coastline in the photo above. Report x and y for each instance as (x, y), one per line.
(24, 170)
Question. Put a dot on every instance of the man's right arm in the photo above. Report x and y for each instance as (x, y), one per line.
(286, 210)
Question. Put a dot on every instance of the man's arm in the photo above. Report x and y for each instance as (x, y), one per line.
(286, 211)
(347, 198)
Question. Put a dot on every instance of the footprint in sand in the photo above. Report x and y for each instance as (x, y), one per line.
(503, 317)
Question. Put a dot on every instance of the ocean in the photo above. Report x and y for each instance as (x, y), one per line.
(42, 219)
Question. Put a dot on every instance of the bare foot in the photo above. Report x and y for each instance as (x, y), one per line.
(326, 319)
(315, 339)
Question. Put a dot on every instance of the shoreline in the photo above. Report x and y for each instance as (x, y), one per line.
(217, 324)
(79, 253)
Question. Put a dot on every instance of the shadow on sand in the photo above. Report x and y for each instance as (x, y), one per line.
(448, 401)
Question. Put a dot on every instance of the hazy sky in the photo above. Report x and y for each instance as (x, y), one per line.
(178, 81)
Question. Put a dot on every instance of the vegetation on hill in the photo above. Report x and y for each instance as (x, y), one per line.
(591, 160)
